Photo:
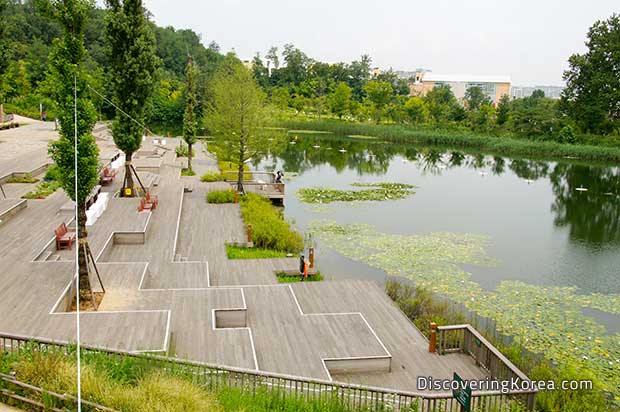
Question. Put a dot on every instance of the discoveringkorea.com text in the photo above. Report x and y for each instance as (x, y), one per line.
(428, 383)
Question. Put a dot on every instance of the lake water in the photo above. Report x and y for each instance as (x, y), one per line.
(553, 223)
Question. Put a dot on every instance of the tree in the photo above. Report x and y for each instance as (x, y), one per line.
(236, 116)
(475, 97)
(272, 57)
(131, 51)
(538, 94)
(503, 110)
(379, 93)
(417, 110)
(442, 105)
(340, 100)
(189, 119)
(535, 116)
(4, 52)
(65, 70)
(592, 93)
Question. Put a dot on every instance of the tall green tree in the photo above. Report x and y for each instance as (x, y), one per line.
(4, 52)
(379, 93)
(190, 123)
(131, 51)
(66, 70)
(592, 93)
(236, 116)
(417, 110)
(340, 100)
(475, 97)
(503, 110)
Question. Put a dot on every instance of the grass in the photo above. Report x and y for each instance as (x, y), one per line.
(132, 384)
(270, 230)
(608, 149)
(212, 177)
(221, 196)
(187, 172)
(287, 278)
(27, 178)
(43, 190)
(239, 252)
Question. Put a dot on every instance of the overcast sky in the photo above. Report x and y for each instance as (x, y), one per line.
(530, 40)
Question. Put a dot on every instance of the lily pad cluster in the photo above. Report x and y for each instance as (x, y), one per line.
(545, 320)
(370, 192)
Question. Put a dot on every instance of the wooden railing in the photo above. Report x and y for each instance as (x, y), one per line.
(466, 339)
(351, 397)
(22, 394)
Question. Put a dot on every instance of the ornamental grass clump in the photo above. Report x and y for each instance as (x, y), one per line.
(220, 196)
(270, 230)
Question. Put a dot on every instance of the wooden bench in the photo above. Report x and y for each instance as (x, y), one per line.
(64, 238)
(152, 199)
(107, 176)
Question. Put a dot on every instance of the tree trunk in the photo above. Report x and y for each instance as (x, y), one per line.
(128, 180)
(86, 292)
(189, 156)
(240, 175)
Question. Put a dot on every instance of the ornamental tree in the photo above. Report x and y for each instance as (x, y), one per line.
(133, 62)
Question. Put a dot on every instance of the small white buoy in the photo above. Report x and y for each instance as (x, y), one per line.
(608, 194)
(316, 146)
(292, 142)
(483, 173)
(581, 189)
(342, 150)
(528, 181)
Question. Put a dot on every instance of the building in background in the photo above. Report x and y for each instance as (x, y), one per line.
(553, 92)
(493, 86)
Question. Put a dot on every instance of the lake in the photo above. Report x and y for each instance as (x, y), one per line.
(548, 223)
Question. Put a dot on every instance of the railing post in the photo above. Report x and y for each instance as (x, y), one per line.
(432, 343)
(249, 233)
(236, 197)
(311, 257)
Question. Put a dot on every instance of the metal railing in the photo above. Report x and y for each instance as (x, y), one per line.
(350, 397)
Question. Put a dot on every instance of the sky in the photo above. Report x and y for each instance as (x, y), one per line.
(529, 40)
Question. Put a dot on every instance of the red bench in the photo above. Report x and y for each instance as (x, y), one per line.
(64, 238)
(144, 205)
(107, 176)
(152, 199)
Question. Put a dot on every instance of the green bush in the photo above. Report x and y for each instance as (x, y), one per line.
(52, 173)
(212, 177)
(239, 252)
(43, 190)
(187, 172)
(221, 196)
(270, 230)
(183, 150)
(421, 306)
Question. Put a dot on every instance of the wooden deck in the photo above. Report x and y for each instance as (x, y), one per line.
(170, 287)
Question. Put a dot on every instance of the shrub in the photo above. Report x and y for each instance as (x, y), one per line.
(27, 178)
(421, 306)
(239, 252)
(43, 190)
(270, 230)
(221, 196)
(212, 177)
(183, 150)
(187, 172)
(52, 173)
